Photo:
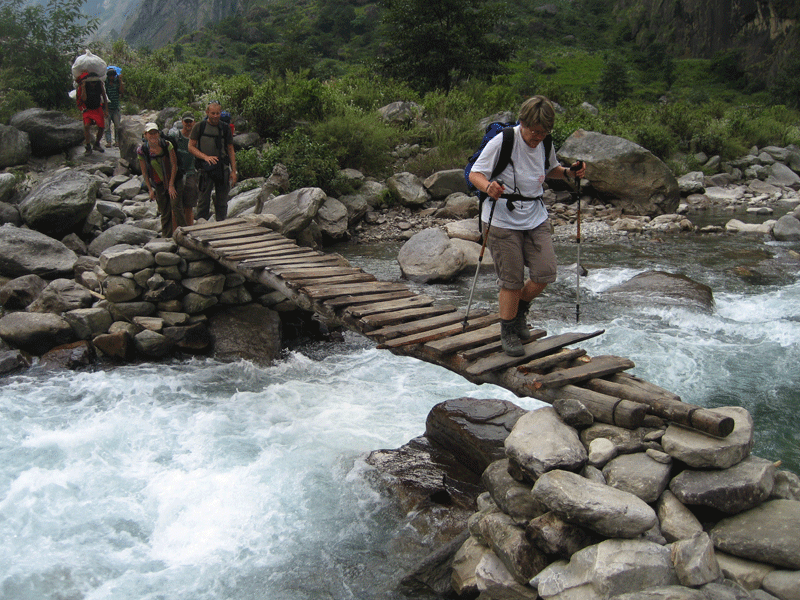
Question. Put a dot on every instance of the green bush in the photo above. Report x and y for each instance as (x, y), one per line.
(656, 138)
(356, 140)
(12, 102)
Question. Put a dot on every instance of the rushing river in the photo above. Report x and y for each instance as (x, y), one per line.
(202, 480)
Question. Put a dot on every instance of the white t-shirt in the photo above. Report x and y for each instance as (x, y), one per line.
(524, 175)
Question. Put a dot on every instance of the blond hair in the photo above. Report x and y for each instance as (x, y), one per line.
(537, 110)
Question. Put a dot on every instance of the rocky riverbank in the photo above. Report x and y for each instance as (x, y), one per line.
(579, 510)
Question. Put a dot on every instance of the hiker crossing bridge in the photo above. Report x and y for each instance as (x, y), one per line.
(411, 324)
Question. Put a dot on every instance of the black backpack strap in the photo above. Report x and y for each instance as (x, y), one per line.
(548, 146)
(504, 159)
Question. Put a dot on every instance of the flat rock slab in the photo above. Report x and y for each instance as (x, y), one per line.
(733, 490)
(638, 474)
(703, 451)
(767, 533)
(606, 510)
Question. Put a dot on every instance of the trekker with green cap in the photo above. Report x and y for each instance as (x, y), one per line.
(519, 231)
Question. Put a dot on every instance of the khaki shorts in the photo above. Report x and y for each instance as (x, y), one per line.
(513, 250)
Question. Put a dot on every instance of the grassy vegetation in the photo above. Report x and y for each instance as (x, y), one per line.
(305, 76)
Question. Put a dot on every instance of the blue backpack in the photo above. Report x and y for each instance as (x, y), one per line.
(503, 160)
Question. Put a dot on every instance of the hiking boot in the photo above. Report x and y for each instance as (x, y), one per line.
(521, 321)
(98, 147)
(88, 149)
(509, 338)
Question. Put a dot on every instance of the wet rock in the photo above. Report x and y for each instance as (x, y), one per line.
(13, 360)
(473, 430)
(151, 343)
(88, 322)
(786, 229)
(115, 345)
(71, 356)
(665, 289)
(251, 332)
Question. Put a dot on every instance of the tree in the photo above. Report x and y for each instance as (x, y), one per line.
(615, 83)
(37, 44)
(433, 43)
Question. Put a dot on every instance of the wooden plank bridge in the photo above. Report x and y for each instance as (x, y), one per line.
(411, 324)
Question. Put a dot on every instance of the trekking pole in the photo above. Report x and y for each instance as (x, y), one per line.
(480, 261)
(578, 264)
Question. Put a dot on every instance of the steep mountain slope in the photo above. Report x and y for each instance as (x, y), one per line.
(156, 22)
(765, 31)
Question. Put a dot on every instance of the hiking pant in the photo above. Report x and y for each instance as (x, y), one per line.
(164, 204)
(186, 187)
(218, 181)
(114, 116)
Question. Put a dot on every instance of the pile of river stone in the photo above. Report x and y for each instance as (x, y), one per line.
(579, 510)
(138, 301)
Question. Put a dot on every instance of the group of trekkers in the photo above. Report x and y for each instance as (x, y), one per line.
(180, 169)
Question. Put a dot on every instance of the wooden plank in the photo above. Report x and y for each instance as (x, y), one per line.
(393, 331)
(387, 306)
(336, 303)
(533, 349)
(494, 346)
(280, 262)
(252, 243)
(540, 365)
(323, 292)
(331, 279)
(430, 335)
(271, 254)
(304, 273)
(214, 225)
(384, 319)
(463, 341)
(637, 382)
(232, 237)
(599, 366)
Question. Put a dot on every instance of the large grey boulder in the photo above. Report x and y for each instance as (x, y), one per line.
(541, 442)
(782, 176)
(494, 580)
(743, 486)
(243, 203)
(633, 178)
(125, 258)
(666, 289)
(50, 131)
(131, 130)
(35, 332)
(24, 251)
(509, 543)
(443, 183)
(60, 202)
(606, 569)
(60, 296)
(606, 510)
(121, 234)
(296, 209)
(429, 256)
(511, 496)
(787, 229)
(408, 188)
(15, 147)
(766, 533)
(20, 292)
(676, 521)
(695, 561)
(333, 219)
